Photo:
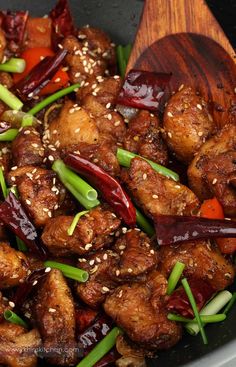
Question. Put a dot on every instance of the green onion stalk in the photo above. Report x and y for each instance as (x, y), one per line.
(10, 99)
(14, 318)
(75, 221)
(8, 135)
(124, 158)
(212, 308)
(101, 349)
(122, 55)
(206, 319)
(69, 271)
(195, 310)
(13, 65)
(175, 277)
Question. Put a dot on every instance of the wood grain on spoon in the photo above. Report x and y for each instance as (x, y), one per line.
(183, 37)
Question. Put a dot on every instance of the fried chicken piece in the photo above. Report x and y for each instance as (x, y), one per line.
(187, 123)
(3, 44)
(5, 156)
(144, 137)
(100, 267)
(6, 80)
(157, 194)
(55, 315)
(108, 122)
(202, 260)
(137, 255)
(140, 310)
(212, 168)
(132, 355)
(13, 266)
(27, 148)
(82, 63)
(18, 346)
(40, 192)
(74, 125)
(93, 231)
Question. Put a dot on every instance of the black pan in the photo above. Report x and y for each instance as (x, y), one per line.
(120, 19)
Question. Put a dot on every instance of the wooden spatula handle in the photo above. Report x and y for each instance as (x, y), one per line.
(161, 18)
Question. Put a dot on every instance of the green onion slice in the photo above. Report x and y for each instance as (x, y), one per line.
(10, 99)
(69, 271)
(175, 276)
(13, 65)
(75, 221)
(206, 319)
(14, 318)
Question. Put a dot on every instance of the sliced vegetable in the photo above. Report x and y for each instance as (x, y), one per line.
(9, 135)
(110, 188)
(122, 55)
(175, 276)
(18, 118)
(15, 218)
(124, 158)
(69, 271)
(14, 318)
(171, 229)
(3, 183)
(9, 98)
(230, 304)
(82, 191)
(212, 308)
(212, 208)
(61, 93)
(143, 89)
(14, 23)
(14, 65)
(178, 302)
(62, 22)
(144, 224)
(75, 221)
(195, 310)
(204, 318)
(101, 349)
(40, 75)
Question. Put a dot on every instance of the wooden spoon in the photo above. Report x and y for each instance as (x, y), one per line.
(183, 37)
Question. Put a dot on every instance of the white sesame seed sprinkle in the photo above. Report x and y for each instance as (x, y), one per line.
(47, 270)
(155, 196)
(169, 114)
(11, 304)
(52, 310)
(199, 106)
(214, 181)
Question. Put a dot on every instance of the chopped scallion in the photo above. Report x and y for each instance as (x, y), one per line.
(144, 224)
(13, 65)
(10, 99)
(69, 271)
(175, 276)
(230, 304)
(122, 55)
(8, 135)
(206, 319)
(75, 221)
(3, 183)
(14, 318)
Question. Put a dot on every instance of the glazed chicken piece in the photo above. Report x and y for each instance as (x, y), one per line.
(157, 194)
(105, 89)
(140, 310)
(187, 124)
(203, 261)
(82, 63)
(100, 267)
(144, 137)
(39, 190)
(27, 148)
(55, 315)
(6, 80)
(3, 44)
(132, 355)
(5, 156)
(73, 126)
(93, 231)
(213, 167)
(18, 346)
(108, 122)
(13, 266)
(137, 255)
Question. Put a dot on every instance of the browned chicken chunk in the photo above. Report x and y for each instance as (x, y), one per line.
(202, 260)
(210, 172)
(13, 266)
(55, 315)
(144, 137)
(139, 309)
(187, 123)
(6, 79)
(74, 125)
(156, 193)
(137, 255)
(5, 156)
(27, 148)
(82, 63)
(100, 267)
(18, 347)
(93, 231)
(3, 44)
(39, 190)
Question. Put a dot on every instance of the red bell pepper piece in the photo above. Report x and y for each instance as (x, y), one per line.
(178, 302)
(110, 188)
(171, 229)
(143, 89)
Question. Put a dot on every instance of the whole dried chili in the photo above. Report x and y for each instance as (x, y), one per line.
(13, 215)
(179, 303)
(110, 188)
(39, 76)
(171, 229)
(14, 25)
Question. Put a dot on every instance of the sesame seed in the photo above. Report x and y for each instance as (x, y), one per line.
(108, 105)
(60, 46)
(117, 123)
(13, 179)
(105, 257)
(181, 87)
(94, 94)
(26, 132)
(45, 210)
(105, 289)
(199, 106)
(30, 94)
(124, 229)
(35, 282)
(93, 270)
(91, 262)
(50, 214)
(71, 110)
(14, 168)
(47, 270)
(169, 134)
(52, 310)
(77, 74)
(88, 246)
(214, 181)
(117, 273)
(77, 52)
(136, 138)
(11, 304)
(144, 176)
(28, 201)
(177, 187)
(34, 145)
(77, 130)
(169, 114)
(122, 247)
(152, 252)
(130, 270)
(200, 133)
(34, 170)
(51, 158)
(155, 196)
(116, 77)
(57, 80)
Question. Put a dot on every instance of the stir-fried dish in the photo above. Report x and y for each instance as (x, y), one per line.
(117, 209)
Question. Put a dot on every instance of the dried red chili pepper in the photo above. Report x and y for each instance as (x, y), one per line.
(110, 188)
(15, 218)
(39, 76)
(143, 89)
(14, 24)
(84, 318)
(171, 229)
(178, 302)
(62, 22)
